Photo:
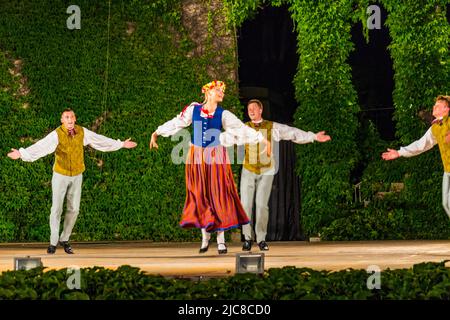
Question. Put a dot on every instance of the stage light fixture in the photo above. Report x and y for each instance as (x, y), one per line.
(26, 263)
(250, 263)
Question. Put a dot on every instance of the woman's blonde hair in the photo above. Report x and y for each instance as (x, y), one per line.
(211, 85)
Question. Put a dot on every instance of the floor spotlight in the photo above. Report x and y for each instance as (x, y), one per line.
(26, 263)
(250, 263)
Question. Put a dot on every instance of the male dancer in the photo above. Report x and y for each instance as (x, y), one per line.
(438, 133)
(67, 141)
(257, 174)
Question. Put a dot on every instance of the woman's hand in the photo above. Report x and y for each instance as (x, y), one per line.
(153, 140)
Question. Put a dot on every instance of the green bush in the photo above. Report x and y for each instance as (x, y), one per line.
(422, 281)
(389, 218)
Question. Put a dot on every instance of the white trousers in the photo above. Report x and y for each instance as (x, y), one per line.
(255, 190)
(62, 186)
(446, 192)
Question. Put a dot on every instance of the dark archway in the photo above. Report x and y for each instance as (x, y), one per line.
(448, 13)
(268, 59)
(373, 77)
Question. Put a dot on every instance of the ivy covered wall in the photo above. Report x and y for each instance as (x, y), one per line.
(420, 42)
(135, 64)
(128, 69)
(327, 100)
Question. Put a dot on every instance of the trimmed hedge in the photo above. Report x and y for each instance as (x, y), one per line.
(422, 281)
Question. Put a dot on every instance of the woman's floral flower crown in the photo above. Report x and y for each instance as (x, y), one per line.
(214, 84)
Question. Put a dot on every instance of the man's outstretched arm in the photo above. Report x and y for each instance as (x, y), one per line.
(285, 132)
(105, 144)
(417, 147)
(38, 150)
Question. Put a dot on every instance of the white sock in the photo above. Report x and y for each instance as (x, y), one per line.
(221, 240)
(205, 238)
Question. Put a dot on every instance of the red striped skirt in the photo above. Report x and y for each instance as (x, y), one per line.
(212, 200)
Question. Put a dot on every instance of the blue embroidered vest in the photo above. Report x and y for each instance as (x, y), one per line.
(206, 130)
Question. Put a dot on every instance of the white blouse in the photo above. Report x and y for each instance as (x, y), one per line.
(236, 132)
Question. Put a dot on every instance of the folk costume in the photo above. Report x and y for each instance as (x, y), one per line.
(435, 135)
(68, 171)
(212, 201)
(258, 173)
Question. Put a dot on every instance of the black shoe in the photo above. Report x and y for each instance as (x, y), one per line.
(67, 247)
(247, 245)
(51, 249)
(263, 246)
(204, 249)
(222, 251)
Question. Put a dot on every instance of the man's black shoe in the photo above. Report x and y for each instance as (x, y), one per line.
(51, 249)
(263, 246)
(67, 247)
(247, 245)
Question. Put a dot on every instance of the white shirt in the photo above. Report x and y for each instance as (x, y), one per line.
(425, 143)
(48, 145)
(285, 132)
(236, 132)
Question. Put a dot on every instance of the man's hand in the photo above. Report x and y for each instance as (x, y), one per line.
(322, 137)
(153, 140)
(128, 144)
(14, 154)
(391, 154)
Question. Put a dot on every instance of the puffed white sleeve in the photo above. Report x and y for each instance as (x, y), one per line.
(41, 148)
(285, 132)
(183, 120)
(236, 132)
(425, 143)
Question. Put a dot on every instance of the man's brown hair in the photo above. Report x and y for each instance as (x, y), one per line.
(444, 98)
(67, 110)
(259, 103)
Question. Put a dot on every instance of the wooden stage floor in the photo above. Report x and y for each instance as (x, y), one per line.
(183, 259)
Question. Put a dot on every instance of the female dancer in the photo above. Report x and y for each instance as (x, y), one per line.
(212, 202)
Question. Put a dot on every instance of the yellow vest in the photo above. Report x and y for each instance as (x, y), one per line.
(439, 131)
(253, 161)
(69, 154)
